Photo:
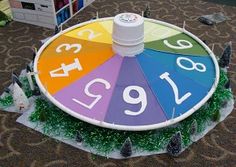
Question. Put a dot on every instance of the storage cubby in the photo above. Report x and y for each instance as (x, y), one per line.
(46, 13)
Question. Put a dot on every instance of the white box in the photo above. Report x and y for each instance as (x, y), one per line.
(31, 17)
(18, 15)
(45, 19)
(46, 13)
(44, 8)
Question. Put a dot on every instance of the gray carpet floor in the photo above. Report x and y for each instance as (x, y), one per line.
(23, 147)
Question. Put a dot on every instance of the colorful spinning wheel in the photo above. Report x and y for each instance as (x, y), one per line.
(174, 75)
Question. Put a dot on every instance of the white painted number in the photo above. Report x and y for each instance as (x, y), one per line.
(89, 94)
(182, 44)
(91, 34)
(195, 66)
(160, 33)
(175, 89)
(66, 69)
(68, 47)
(142, 98)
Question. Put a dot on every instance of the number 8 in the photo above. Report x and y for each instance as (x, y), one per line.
(195, 66)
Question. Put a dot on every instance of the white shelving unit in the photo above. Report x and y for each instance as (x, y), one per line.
(46, 13)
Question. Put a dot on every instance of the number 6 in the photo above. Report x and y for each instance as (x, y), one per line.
(141, 98)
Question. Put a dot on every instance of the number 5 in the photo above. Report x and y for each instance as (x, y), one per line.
(89, 94)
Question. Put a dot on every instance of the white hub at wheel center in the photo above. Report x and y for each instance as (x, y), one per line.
(128, 34)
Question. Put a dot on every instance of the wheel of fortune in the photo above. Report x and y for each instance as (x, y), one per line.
(127, 72)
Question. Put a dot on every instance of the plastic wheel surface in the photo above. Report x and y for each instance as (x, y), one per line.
(173, 77)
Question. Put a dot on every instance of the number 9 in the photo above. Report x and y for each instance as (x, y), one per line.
(142, 98)
(183, 44)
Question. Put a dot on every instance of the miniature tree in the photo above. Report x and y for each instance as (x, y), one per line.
(205, 41)
(28, 68)
(33, 57)
(147, 12)
(16, 79)
(20, 100)
(224, 104)
(36, 91)
(78, 137)
(42, 116)
(226, 55)
(126, 149)
(193, 128)
(227, 85)
(174, 146)
(216, 116)
(7, 90)
(34, 54)
(56, 30)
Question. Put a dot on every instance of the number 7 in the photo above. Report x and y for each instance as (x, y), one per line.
(175, 89)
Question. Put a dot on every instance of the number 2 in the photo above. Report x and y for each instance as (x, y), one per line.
(89, 94)
(91, 35)
(175, 89)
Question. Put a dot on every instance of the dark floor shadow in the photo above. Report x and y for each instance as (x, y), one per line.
(223, 2)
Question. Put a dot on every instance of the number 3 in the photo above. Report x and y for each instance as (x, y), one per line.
(68, 47)
(89, 94)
